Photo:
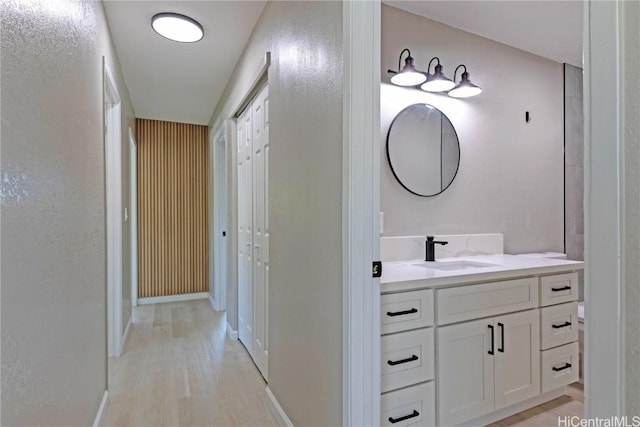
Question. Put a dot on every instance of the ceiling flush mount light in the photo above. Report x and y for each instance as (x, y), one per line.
(408, 75)
(465, 88)
(437, 82)
(176, 27)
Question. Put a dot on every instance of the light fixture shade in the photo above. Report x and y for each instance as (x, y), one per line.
(465, 89)
(437, 82)
(408, 76)
(177, 27)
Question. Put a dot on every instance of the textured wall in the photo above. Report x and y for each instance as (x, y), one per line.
(630, 91)
(511, 173)
(574, 167)
(305, 201)
(52, 196)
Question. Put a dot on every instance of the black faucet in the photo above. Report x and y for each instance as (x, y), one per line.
(431, 251)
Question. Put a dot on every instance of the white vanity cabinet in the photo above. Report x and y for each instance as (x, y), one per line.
(487, 364)
(408, 359)
(473, 352)
(559, 329)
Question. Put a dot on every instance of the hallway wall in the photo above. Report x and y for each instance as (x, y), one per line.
(305, 201)
(52, 195)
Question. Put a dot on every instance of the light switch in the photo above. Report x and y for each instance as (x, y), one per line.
(126, 215)
(381, 222)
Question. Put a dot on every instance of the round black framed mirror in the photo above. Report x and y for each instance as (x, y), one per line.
(423, 150)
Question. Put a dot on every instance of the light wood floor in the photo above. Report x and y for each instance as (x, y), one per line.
(547, 415)
(179, 368)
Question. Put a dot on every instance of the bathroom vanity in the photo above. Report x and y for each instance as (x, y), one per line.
(471, 340)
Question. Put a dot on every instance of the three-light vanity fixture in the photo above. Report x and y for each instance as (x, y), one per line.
(436, 82)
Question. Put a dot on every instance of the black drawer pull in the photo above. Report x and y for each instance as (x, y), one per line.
(492, 342)
(401, 313)
(406, 417)
(398, 362)
(564, 288)
(501, 349)
(562, 368)
(561, 325)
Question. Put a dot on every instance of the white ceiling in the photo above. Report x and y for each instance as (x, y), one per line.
(180, 82)
(552, 29)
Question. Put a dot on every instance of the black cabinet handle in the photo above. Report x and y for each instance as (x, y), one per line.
(406, 417)
(562, 368)
(398, 362)
(561, 325)
(401, 313)
(501, 349)
(564, 288)
(491, 351)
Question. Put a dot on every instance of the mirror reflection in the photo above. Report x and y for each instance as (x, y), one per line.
(423, 150)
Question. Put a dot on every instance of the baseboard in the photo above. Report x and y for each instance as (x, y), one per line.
(173, 298)
(232, 334)
(126, 334)
(97, 422)
(213, 303)
(276, 409)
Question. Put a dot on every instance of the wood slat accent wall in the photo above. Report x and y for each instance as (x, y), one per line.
(172, 208)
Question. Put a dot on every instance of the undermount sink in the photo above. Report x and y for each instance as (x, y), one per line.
(453, 265)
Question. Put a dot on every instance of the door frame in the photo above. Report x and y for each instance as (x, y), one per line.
(360, 215)
(133, 214)
(604, 216)
(113, 183)
(218, 217)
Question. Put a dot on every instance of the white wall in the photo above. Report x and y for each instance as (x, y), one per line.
(510, 178)
(305, 201)
(52, 194)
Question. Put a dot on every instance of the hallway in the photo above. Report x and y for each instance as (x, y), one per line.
(179, 368)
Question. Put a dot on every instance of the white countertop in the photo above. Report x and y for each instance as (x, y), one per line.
(402, 275)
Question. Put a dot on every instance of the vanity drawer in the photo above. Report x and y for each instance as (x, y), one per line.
(407, 358)
(412, 406)
(558, 288)
(406, 310)
(559, 366)
(486, 299)
(559, 325)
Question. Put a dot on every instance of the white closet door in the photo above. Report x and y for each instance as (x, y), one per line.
(260, 120)
(245, 230)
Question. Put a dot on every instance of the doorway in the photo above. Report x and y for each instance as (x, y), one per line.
(113, 183)
(133, 203)
(219, 212)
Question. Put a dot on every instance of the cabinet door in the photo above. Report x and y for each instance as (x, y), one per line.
(517, 357)
(465, 371)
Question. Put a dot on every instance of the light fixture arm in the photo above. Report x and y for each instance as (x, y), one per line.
(400, 61)
(400, 57)
(456, 71)
(429, 66)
